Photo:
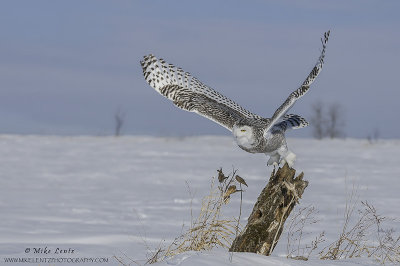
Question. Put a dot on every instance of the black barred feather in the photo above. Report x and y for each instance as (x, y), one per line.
(294, 96)
(290, 121)
(188, 93)
(252, 133)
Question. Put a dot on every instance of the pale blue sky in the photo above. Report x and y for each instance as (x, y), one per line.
(67, 66)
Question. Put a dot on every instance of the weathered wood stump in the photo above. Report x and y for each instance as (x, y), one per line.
(270, 212)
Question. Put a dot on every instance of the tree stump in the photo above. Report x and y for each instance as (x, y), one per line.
(270, 212)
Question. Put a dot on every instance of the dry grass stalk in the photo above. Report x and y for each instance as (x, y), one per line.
(123, 260)
(155, 255)
(209, 229)
(295, 233)
(364, 237)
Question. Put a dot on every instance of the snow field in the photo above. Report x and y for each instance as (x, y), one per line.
(106, 196)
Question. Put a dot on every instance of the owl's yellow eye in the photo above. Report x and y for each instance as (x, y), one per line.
(243, 130)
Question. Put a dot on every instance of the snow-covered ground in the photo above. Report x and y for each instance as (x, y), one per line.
(106, 196)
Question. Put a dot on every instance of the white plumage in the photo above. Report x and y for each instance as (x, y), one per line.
(252, 132)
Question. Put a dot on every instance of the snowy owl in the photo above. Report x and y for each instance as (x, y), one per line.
(251, 132)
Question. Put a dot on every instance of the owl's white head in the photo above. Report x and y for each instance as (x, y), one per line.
(244, 136)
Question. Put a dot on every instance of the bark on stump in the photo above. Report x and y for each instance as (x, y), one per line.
(270, 212)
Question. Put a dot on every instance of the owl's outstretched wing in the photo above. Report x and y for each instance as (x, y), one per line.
(188, 93)
(294, 96)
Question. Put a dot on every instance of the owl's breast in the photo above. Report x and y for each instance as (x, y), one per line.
(245, 143)
(246, 140)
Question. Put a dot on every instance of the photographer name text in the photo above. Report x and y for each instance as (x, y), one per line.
(47, 250)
